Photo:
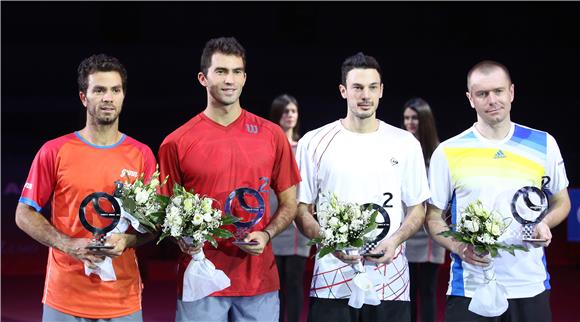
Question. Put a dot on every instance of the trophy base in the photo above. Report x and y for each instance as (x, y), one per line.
(371, 255)
(534, 240)
(99, 247)
(243, 243)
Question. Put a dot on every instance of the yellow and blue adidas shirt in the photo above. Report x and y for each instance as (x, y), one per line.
(469, 167)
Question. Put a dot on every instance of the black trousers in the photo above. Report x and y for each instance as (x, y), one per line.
(531, 309)
(291, 271)
(331, 310)
(423, 291)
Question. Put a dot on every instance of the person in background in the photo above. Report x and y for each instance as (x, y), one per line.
(424, 255)
(290, 245)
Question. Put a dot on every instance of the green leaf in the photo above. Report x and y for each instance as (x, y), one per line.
(325, 251)
(314, 241)
(358, 242)
(228, 220)
(129, 205)
(211, 240)
(222, 233)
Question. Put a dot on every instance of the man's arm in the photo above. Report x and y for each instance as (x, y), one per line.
(559, 209)
(306, 222)
(436, 224)
(414, 219)
(37, 227)
(284, 215)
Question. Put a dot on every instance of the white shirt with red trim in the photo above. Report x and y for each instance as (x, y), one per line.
(384, 167)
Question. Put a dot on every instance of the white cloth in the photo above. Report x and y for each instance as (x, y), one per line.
(363, 291)
(105, 269)
(384, 167)
(489, 299)
(201, 279)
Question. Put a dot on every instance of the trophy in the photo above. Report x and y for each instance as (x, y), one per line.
(377, 235)
(246, 215)
(529, 206)
(99, 233)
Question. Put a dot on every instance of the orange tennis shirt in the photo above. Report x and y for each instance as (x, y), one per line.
(64, 172)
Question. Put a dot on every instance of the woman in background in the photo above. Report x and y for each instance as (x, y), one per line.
(290, 245)
(424, 255)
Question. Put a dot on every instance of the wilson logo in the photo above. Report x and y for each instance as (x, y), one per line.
(252, 128)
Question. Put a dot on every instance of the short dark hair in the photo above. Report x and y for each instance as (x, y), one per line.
(486, 67)
(224, 45)
(359, 60)
(100, 63)
(277, 110)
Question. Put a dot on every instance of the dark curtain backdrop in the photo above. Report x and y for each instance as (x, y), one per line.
(425, 49)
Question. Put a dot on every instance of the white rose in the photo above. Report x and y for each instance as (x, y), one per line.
(328, 235)
(154, 183)
(142, 197)
(174, 211)
(207, 217)
(177, 201)
(333, 222)
(343, 229)
(206, 204)
(472, 226)
(197, 219)
(188, 204)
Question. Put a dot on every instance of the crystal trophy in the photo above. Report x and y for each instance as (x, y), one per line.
(529, 206)
(99, 233)
(248, 214)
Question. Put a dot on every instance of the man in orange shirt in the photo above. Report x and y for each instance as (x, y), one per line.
(75, 168)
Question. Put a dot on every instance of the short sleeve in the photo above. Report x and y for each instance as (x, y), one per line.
(169, 165)
(285, 172)
(41, 178)
(439, 179)
(308, 188)
(415, 189)
(555, 168)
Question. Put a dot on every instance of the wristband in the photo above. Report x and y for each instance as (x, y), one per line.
(269, 236)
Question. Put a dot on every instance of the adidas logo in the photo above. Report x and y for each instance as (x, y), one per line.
(499, 155)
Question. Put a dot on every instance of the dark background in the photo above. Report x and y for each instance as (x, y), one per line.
(425, 49)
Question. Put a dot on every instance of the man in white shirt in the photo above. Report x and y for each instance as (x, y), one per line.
(491, 161)
(365, 161)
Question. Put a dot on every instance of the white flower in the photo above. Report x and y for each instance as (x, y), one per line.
(472, 226)
(138, 190)
(154, 183)
(197, 219)
(486, 239)
(328, 234)
(177, 200)
(174, 211)
(333, 222)
(141, 197)
(343, 228)
(207, 217)
(188, 204)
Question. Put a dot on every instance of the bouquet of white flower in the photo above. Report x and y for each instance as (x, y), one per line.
(482, 228)
(347, 227)
(146, 208)
(343, 225)
(192, 218)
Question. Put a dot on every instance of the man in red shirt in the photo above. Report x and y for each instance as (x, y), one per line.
(234, 157)
(74, 168)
